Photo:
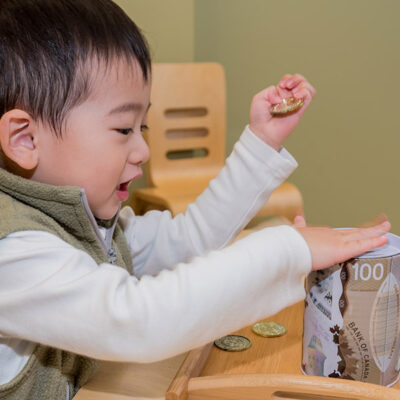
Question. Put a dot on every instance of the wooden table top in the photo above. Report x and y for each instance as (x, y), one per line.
(123, 381)
(273, 355)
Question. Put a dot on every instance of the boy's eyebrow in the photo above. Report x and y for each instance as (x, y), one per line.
(128, 107)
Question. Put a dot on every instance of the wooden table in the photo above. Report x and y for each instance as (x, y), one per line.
(127, 381)
(282, 355)
(268, 357)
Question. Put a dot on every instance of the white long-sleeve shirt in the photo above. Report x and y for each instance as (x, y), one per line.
(188, 288)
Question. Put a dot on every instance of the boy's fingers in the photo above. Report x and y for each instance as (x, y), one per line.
(299, 221)
(275, 94)
(360, 233)
(285, 78)
(272, 95)
(291, 80)
(297, 80)
(360, 246)
(304, 90)
(283, 92)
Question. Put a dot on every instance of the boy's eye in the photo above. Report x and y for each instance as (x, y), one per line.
(125, 131)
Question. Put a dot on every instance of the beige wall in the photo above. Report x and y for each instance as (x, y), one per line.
(168, 25)
(347, 144)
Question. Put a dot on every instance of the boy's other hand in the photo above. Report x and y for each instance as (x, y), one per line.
(331, 246)
(273, 130)
(299, 221)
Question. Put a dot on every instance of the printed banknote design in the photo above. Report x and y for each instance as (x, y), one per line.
(352, 318)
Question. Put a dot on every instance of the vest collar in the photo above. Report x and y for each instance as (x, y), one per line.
(29, 191)
(67, 205)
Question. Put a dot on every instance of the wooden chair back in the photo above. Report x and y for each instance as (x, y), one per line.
(187, 123)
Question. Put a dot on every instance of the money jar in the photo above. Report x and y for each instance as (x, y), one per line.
(352, 318)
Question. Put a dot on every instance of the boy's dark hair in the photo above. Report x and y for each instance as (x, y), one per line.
(46, 47)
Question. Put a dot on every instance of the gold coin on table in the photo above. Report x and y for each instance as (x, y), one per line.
(287, 106)
(269, 329)
(233, 343)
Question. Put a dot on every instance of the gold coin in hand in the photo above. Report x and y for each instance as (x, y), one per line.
(287, 106)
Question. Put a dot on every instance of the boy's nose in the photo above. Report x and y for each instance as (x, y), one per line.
(139, 152)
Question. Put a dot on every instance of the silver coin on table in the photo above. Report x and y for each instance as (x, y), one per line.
(233, 343)
(269, 329)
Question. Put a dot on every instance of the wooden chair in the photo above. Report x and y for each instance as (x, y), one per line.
(186, 137)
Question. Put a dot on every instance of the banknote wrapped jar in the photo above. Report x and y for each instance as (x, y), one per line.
(352, 318)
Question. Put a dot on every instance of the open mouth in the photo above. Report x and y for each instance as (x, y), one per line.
(122, 191)
(123, 187)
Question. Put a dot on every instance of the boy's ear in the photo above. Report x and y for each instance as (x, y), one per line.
(18, 138)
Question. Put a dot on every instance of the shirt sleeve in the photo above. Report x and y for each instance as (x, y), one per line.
(252, 172)
(55, 294)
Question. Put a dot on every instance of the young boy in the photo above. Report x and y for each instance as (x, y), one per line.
(80, 281)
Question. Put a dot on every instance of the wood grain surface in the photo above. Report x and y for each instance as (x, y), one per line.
(270, 369)
(266, 355)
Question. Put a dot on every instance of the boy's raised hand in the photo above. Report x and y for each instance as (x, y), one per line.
(275, 129)
(331, 246)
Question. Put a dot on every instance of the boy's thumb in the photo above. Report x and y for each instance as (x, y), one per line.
(299, 221)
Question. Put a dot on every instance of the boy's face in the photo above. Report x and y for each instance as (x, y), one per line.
(102, 147)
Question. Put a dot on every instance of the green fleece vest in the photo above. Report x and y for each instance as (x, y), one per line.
(29, 205)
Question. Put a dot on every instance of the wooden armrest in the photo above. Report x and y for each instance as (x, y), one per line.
(284, 387)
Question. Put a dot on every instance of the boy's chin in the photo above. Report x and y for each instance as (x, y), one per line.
(106, 214)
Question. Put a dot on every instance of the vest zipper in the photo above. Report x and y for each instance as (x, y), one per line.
(67, 392)
(112, 255)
